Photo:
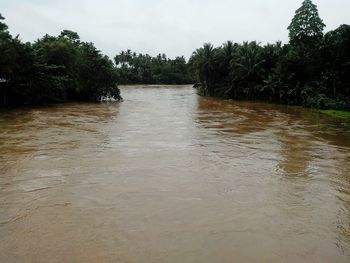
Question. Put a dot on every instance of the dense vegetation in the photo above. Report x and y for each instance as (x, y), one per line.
(53, 69)
(136, 68)
(312, 70)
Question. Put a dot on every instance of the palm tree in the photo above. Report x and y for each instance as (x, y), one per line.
(248, 60)
(122, 58)
(204, 60)
(128, 56)
(246, 69)
(228, 49)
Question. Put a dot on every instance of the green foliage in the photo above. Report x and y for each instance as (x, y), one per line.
(278, 73)
(54, 69)
(204, 60)
(136, 68)
(311, 70)
(7, 51)
(306, 26)
(3, 26)
(340, 114)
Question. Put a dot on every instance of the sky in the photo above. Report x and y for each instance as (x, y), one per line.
(173, 27)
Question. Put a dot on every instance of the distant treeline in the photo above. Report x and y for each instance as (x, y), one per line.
(53, 69)
(136, 68)
(312, 70)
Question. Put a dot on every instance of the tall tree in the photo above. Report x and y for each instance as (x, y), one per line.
(204, 59)
(53, 69)
(306, 26)
(6, 50)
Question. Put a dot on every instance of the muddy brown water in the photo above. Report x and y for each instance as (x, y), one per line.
(168, 176)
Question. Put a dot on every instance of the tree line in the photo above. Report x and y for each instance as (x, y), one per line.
(53, 69)
(136, 68)
(313, 69)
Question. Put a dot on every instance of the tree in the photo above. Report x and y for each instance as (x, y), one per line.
(70, 35)
(204, 60)
(306, 26)
(53, 69)
(6, 51)
(3, 26)
(228, 49)
(136, 68)
(336, 61)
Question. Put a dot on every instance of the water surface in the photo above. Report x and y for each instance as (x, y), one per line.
(167, 176)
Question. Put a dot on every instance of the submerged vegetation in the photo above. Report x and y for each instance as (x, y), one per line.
(339, 114)
(312, 70)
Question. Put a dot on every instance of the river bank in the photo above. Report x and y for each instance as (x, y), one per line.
(345, 115)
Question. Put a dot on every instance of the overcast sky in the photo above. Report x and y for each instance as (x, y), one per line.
(174, 27)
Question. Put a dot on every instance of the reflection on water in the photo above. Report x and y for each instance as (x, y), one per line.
(167, 176)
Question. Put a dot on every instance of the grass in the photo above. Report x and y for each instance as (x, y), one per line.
(336, 113)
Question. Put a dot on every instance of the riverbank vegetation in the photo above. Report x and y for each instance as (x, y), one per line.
(312, 70)
(345, 115)
(136, 68)
(53, 69)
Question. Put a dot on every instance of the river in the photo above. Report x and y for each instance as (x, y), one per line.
(168, 176)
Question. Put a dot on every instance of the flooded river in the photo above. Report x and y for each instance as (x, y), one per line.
(168, 176)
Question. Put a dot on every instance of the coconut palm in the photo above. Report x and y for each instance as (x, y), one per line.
(204, 60)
